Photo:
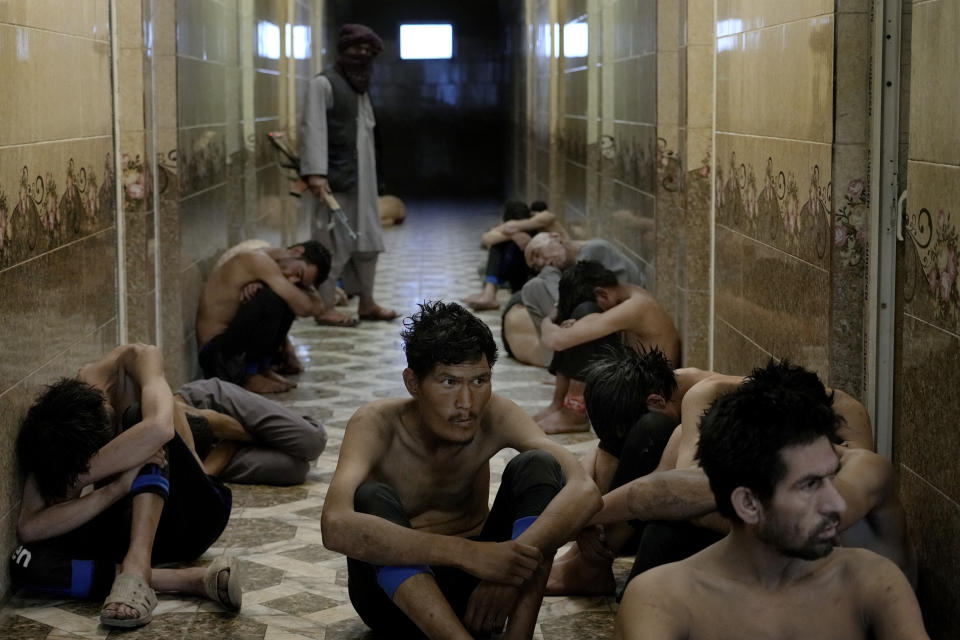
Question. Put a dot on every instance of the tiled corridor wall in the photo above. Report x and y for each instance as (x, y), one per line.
(198, 85)
(57, 230)
(926, 438)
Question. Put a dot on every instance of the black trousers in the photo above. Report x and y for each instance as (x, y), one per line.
(573, 362)
(254, 339)
(506, 265)
(82, 563)
(530, 481)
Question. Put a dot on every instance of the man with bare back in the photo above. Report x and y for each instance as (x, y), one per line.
(769, 453)
(247, 307)
(408, 503)
(595, 310)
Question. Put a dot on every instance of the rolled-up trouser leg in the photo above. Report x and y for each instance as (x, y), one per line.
(368, 596)
(50, 568)
(530, 481)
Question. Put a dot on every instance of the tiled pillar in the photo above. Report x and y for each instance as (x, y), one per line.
(926, 438)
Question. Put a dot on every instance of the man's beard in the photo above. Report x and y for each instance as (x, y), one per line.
(357, 70)
(813, 548)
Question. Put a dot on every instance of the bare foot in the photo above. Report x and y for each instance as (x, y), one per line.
(576, 574)
(273, 375)
(335, 319)
(481, 302)
(376, 312)
(550, 408)
(259, 383)
(564, 421)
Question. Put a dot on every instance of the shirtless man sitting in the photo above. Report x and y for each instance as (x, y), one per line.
(112, 479)
(596, 310)
(505, 243)
(666, 499)
(247, 307)
(548, 254)
(408, 503)
(769, 454)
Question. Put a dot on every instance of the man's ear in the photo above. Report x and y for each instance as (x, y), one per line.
(656, 402)
(746, 505)
(411, 382)
(296, 250)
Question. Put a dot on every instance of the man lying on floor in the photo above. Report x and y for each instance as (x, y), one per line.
(673, 511)
(595, 310)
(408, 503)
(246, 308)
(769, 451)
(112, 479)
(245, 438)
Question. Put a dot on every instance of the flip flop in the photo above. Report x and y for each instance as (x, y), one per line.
(132, 591)
(346, 321)
(231, 596)
(380, 313)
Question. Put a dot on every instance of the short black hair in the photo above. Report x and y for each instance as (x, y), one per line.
(537, 206)
(743, 432)
(67, 424)
(577, 283)
(317, 255)
(446, 333)
(618, 382)
(515, 210)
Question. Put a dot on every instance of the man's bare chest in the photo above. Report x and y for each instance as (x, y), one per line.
(789, 615)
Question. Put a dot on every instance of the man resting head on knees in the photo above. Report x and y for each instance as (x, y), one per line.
(769, 453)
(245, 438)
(247, 307)
(112, 479)
(596, 310)
(408, 503)
(506, 266)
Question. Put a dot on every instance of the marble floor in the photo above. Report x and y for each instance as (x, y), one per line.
(294, 588)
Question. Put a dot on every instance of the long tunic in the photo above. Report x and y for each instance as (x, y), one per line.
(360, 207)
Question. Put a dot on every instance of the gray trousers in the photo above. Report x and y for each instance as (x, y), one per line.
(284, 442)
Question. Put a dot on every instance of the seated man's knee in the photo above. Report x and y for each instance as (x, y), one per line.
(310, 441)
(535, 464)
(585, 309)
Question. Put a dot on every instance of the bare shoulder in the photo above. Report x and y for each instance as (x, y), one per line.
(509, 424)
(654, 603)
(380, 416)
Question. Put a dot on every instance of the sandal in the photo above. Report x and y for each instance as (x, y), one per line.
(131, 591)
(231, 596)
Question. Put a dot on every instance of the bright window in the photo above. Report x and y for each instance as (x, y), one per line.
(426, 41)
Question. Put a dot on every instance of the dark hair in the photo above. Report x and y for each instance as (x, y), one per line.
(743, 432)
(618, 382)
(537, 206)
(317, 255)
(515, 210)
(67, 424)
(442, 332)
(577, 283)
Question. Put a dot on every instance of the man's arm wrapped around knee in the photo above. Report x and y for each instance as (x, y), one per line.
(39, 520)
